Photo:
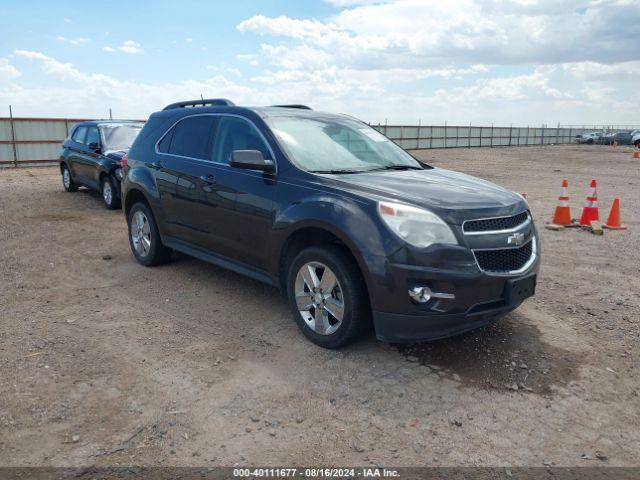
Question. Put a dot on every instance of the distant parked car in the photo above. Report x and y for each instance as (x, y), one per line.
(623, 138)
(91, 157)
(593, 137)
(606, 139)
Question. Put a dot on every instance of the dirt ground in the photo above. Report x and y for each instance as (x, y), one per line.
(105, 362)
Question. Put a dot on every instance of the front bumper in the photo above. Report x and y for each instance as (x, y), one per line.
(480, 298)
(402, 328)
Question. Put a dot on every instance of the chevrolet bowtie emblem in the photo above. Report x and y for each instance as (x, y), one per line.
(516, 239)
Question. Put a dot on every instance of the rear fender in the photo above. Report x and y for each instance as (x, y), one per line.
(142, 180)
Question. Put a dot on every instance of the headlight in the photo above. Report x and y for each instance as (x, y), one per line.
(414, 225)
(118, 173)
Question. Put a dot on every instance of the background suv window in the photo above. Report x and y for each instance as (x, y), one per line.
(79, 134)
(236, 134)
(191, 137)
(93, 136)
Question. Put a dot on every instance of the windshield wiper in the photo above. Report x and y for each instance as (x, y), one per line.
(396, 167)
(339, 171)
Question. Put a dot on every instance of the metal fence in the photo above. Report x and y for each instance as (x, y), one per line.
(417, 137)
(32, 141)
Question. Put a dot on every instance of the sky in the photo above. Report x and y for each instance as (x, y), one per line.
(505, 62)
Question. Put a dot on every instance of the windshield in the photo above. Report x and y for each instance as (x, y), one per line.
(327, 144)
(119, 137)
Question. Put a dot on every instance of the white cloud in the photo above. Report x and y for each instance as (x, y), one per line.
(521, 62)
(248, 57)
(8, 71)
(351, 3)
(502, 60)
(572, 93)
(60, 70)
(128, 46)
(419, 33)
(73, 41)
(91, 94)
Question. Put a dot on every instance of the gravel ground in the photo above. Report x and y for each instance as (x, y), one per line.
(105, 362)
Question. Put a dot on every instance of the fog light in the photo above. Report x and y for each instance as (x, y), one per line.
(421, 294)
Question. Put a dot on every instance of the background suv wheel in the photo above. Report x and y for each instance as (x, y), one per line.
(144, 238)
(109, 191)
(328, 297)
(67, 180)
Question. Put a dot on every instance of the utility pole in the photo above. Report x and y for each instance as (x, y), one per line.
(13, 138)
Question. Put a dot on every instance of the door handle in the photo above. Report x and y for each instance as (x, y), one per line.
(155, 165)
(208, 179)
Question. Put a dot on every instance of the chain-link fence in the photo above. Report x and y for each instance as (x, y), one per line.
(416, 137)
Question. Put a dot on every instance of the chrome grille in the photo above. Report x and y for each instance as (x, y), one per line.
(494, 224)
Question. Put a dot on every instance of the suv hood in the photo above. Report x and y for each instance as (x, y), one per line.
(454, 196)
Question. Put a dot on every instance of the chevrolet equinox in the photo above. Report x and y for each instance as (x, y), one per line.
(353, 229)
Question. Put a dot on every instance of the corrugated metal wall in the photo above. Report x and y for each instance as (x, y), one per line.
(37, 140)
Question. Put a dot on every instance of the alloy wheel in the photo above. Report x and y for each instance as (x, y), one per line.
(107, 192)
(140, 233)
(66, 178)
(319, 298)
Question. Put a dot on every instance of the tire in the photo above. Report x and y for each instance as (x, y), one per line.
(109, 192)
(67, 179)
(144, 238)
(590, 141)
(637, 144)
(348, 296)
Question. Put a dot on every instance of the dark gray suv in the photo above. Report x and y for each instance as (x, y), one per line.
(353, 229)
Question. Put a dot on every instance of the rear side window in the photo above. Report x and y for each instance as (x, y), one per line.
(237, 134)
(79, 134)
(165, 143)
(192, 137)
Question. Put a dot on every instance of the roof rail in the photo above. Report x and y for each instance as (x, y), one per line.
(301, 107)
(209, 102)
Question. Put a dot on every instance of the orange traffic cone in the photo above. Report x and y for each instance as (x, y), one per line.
(636, 154)
(613, 222)
(562, 215)
(590, 210)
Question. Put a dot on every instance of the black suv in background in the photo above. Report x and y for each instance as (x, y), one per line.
(91, 157)
(344, 221)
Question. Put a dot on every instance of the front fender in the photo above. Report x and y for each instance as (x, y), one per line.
(354, 222)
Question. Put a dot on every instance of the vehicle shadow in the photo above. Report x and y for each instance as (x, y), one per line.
(508, 355)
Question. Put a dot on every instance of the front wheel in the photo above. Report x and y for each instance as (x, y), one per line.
(109, 193)
(144, 238)
(328, 296)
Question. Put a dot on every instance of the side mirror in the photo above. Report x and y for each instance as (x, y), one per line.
(251, 160)
(95, 146)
